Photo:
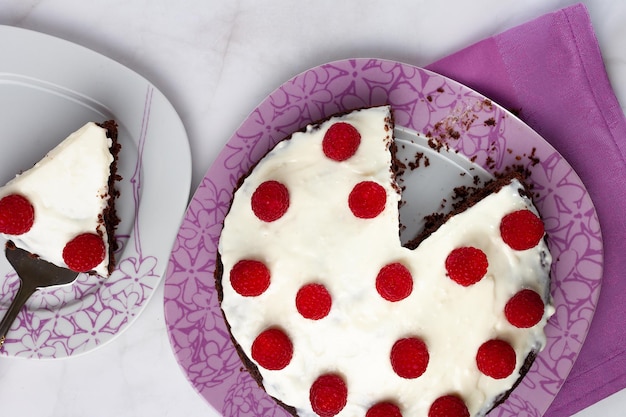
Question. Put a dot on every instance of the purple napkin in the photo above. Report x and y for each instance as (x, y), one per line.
(550, 71)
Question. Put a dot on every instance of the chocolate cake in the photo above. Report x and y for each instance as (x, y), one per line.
(332, 315)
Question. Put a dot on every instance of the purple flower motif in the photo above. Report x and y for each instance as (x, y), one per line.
(36, 345)
(132, 275)
(516, 407)
(90, 333)
(126, 308)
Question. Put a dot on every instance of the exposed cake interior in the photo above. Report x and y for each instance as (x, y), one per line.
(323, 214)
(71, 192)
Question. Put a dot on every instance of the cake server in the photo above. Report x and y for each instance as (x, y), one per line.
(34, 273)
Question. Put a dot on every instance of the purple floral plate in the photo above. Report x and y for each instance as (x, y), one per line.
(425, 102)
(42, 100)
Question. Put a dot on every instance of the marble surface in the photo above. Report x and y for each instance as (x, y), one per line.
(216, 61)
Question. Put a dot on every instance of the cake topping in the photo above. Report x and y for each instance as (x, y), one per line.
(270, 201)
(341, 141)
(367, 199)
(394, 282)
(496, 358)
(384, 409)
(525, 309)
(448, 406)
(466, 265)
(313, 301)
(521, 229)
(250, 278)
(84, 252)
(409, 357)
(272, 349)
(328, 395)
(16, 214)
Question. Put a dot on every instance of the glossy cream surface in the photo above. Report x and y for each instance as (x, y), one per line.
(320, 240)
(68, 189)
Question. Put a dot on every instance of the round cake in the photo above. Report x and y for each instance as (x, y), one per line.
(332, 315)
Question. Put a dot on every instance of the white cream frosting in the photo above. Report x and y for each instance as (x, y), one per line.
(320, 240)
(68, 189)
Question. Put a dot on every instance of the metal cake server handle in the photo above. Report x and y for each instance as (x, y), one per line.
(34, 273)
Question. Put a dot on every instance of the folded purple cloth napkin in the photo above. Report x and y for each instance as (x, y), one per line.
(551, 72)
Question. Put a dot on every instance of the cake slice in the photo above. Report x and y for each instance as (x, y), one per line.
(62, 210)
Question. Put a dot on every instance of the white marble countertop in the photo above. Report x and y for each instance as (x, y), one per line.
(216, 61)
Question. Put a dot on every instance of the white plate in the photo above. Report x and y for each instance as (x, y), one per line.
(48, 88)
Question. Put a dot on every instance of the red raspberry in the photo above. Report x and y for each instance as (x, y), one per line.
(448, 406)
(17, 215)
(270, 201)
(409, 357)
(394, 282)
(341, 141)
(367, 199)
(467, 265)
(328, 395)
(313, 301)
(521, 229)
(250, 278)
(496, 358)
(272, 349)
(84, 252)
(385, 409)
(524, 309)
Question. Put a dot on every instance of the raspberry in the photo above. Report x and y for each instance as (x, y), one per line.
(313, 301)
(496, 358)
(328, 395)
(367, 199)
(409, 357)
(521, 229)
(448, 406)
(394, 282)
(270, 201)
(384, 409)
(17, 214)
(524, 309)
(84, 252)
(341, 141)
(272, 349)
(250, 278)
(467, 265)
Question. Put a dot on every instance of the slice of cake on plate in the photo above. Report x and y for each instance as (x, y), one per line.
(332, 315)
(62, 210)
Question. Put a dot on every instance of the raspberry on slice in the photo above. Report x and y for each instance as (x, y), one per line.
(270, 201)
(409, 357)
(521, 229)
(17, 214)
(367, 199)
(313, 301)
(341, 141)
(328, 395)
(272, 349)
(84, 252)
(524, 309)
(384, 409)
(466, 265)
(250, 278)
(496, 358)
(394, 282)
(448, 406)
